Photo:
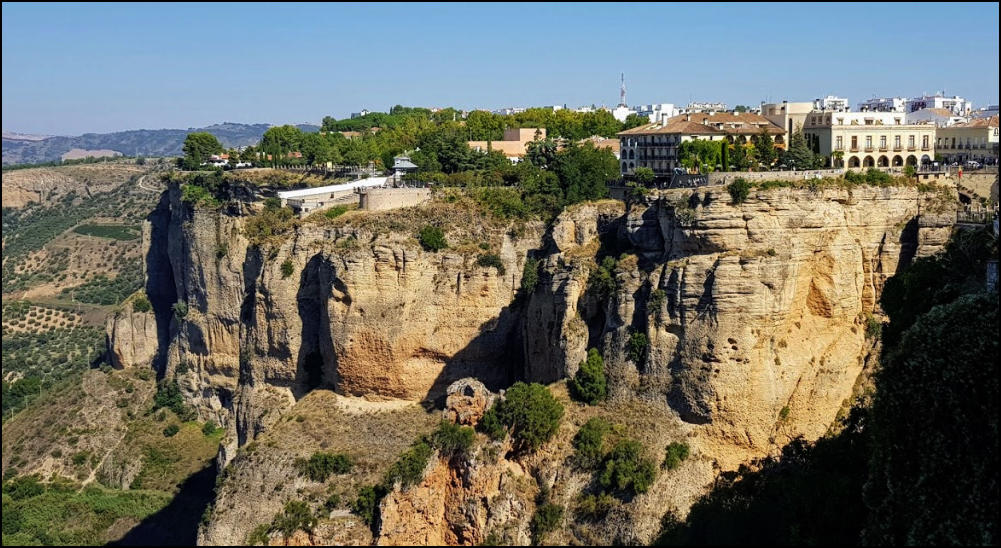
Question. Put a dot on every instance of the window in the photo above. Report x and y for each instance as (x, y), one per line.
(896, 141)
(910, 140)
(882, 141)
(924, 141)
(839, 143)
(868, 141)
(854, 143)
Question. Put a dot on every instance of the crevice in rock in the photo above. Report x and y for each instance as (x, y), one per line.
(316, 365)
(160, 287)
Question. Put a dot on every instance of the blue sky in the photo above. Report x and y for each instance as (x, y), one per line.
(70, 69)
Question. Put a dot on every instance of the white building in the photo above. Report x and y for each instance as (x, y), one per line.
(705, 107)
(621, 112)
(955, 104)
(941, 117)
(307, 200)
(657, 112)
(363, 112)
(831, 102)
(883, 104)
(509, 111)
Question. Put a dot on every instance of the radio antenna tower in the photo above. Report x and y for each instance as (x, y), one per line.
(622, 90)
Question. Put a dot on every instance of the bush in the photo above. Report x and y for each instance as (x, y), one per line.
(23, 487)
(589, 385)
(626, 470)
(451, 439)
(676, 452)
(180, 309)
(530, 275)
(492, 426)
(873, 327)
(332, 502)
(531, 412)
(602, 281)
(491, 259)
(321, 466)
(547, 518)
(209, 428)
(366, 505)
(656, 300)
(287, 268)
(909, 171)
(170, 430)
(432, 238)
(409, 468)
(739, 190)
(260, 535)
(296, 516)
(636, 347)
(589, 442)
(594, 507)
(141, 304)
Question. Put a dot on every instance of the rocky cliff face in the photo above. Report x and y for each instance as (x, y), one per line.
(754, 314)
(742, 325)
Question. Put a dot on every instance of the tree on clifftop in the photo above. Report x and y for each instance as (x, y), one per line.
(198, 147)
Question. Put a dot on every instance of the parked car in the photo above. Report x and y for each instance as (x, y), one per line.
(243, 164)
(972, 164)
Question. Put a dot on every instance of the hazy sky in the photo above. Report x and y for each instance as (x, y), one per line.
(71, 69)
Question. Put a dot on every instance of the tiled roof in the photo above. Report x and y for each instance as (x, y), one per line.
(739, 123)
(682, 127)
(980, 122)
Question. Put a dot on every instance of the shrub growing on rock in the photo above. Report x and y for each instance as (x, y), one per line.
(676, 452)
(739, 190)
(589, 384)
(432, 238)
(320, 466)
(530, 411)
(626, 470)
(590, 441)
(547, 518)
(450, 439)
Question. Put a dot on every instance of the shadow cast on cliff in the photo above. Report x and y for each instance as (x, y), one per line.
(160, 283)
(177, 523)
(316, 364)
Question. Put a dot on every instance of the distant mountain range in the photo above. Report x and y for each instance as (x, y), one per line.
(30, 149)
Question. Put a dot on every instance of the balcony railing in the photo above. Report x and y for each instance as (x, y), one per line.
(911, 147)
(854, 148)
(898, 148)
(925, 147)
(882, 148)
(868, 148)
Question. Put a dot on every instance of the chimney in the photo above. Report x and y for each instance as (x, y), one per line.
(688, 117)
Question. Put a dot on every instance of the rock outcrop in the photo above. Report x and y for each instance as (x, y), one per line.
(743, 324)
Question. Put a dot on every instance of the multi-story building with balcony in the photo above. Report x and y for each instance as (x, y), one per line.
(656, 145)
(788, 116)
(973, 140)
(869, 139)
(657, 112)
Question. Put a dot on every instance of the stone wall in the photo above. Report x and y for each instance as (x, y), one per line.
(377, 199)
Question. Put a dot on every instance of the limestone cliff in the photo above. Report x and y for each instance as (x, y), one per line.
(753, 316)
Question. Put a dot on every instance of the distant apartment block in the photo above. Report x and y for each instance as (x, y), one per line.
(832, 102)
(869, 139)
(985, 112)
(658, 111)
(509, 111)
(705, 107)
(955, 104)
(883, 104)
(513, 144)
